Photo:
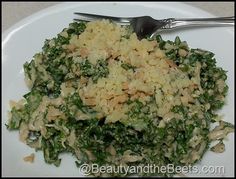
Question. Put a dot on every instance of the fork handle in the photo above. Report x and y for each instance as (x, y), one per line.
(189, 22)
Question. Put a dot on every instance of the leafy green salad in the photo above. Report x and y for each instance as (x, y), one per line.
(102, 95)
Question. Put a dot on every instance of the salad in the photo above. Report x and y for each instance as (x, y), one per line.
(104, 96)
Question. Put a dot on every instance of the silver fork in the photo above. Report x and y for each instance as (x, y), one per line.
(145, 26)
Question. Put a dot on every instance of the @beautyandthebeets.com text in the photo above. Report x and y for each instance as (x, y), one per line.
(87, 169)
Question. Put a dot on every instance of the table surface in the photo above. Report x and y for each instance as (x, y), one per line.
(12, 12)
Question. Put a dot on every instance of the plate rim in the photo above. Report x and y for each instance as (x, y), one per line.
(29, 19)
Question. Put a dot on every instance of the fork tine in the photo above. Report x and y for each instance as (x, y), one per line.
(90, 17)
(83, 19)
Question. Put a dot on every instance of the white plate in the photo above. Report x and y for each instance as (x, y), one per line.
(26, 38)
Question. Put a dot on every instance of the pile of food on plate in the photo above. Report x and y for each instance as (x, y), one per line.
(98, 92)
